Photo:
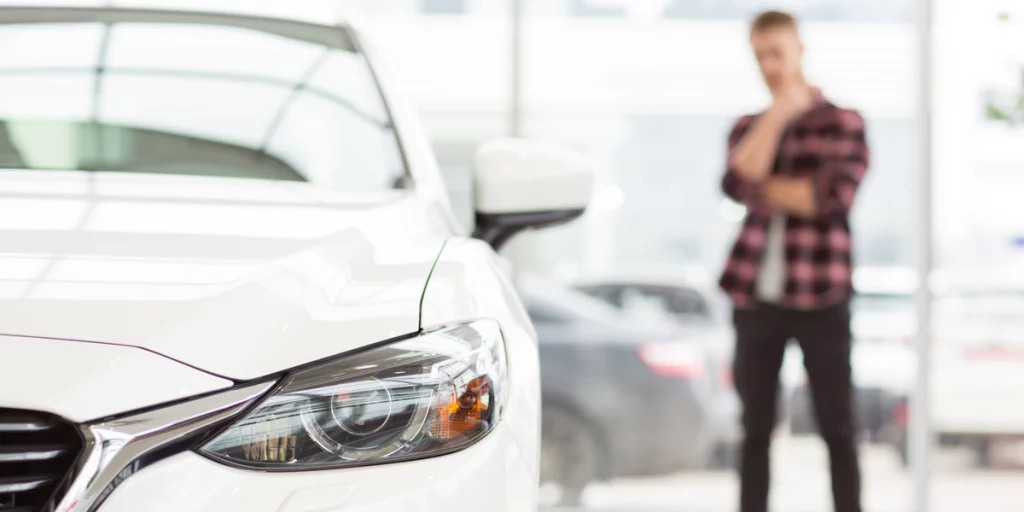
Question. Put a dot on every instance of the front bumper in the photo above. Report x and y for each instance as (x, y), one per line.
(491, 475)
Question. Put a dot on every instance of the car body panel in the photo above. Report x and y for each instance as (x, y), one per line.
(491, 475)
(977, 380)
(470, 281)
(87, 381)
(220, 273)
(977, 362)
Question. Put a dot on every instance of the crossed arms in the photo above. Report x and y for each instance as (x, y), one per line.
(753, 148)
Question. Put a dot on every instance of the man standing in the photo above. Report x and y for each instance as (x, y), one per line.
(796, 167)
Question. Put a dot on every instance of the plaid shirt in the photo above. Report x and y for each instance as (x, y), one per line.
(826, 145)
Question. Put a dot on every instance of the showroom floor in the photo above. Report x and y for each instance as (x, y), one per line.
(800, 485)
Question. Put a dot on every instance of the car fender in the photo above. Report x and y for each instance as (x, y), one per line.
(469, 282)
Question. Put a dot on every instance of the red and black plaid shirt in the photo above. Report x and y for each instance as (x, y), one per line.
(826, 145)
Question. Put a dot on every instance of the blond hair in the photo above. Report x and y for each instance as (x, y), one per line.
(773, 19)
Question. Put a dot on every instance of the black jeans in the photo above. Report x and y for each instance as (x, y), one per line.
(762, 334)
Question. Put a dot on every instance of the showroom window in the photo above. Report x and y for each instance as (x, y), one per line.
(601, 8)
(444, 6)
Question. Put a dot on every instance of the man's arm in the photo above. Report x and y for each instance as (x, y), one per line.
(733, 185)
(832, 191)
(753, 143)
(794, 196)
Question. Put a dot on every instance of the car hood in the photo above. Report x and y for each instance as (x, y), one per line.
(85, 381)
(240, 278)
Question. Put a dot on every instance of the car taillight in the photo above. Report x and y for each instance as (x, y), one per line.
(673, 360)
(901, 415)
(725, 377)
(995, 353)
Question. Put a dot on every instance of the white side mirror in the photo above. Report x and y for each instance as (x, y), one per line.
(523, 184)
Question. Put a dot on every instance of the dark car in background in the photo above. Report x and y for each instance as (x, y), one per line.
(624, 398)
(882, 316)
(687, 298)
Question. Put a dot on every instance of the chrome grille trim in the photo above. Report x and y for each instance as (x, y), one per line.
(37, 452)
(22, 484)
(115, 449)
(28, 453)
(24, 423)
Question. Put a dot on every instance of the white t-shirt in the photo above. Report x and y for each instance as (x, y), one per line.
(771, 275)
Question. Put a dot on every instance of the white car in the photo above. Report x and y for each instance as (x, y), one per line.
(977, 369)
(230, 279)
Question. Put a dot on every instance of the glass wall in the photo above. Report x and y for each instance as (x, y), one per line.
(654, 91)
(650, 87)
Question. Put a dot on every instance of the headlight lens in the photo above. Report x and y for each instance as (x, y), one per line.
(428, 395)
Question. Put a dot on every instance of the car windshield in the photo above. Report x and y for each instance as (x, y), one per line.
(883, 303)
(193, 97)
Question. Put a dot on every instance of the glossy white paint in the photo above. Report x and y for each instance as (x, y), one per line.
(519, 176)
(469, 281)
(86, 381)
(977, 386)
(490, 475)
(242, 278)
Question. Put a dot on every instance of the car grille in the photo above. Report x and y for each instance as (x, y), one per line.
(37, 452)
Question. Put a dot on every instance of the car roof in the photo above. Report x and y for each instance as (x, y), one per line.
(690, 276)
(538, 291)
(535, 289)
(325, 25)
(323, 12)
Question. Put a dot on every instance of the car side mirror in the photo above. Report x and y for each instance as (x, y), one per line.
(523, 184)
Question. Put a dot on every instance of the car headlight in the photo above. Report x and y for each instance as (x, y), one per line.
(428, 395)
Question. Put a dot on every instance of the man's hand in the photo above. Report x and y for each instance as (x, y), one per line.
(792, 101)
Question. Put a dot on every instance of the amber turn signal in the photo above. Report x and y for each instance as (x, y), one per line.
(464, 412)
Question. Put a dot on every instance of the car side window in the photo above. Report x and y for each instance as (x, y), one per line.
(687, 301)
(641, 302)
(608, 294)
